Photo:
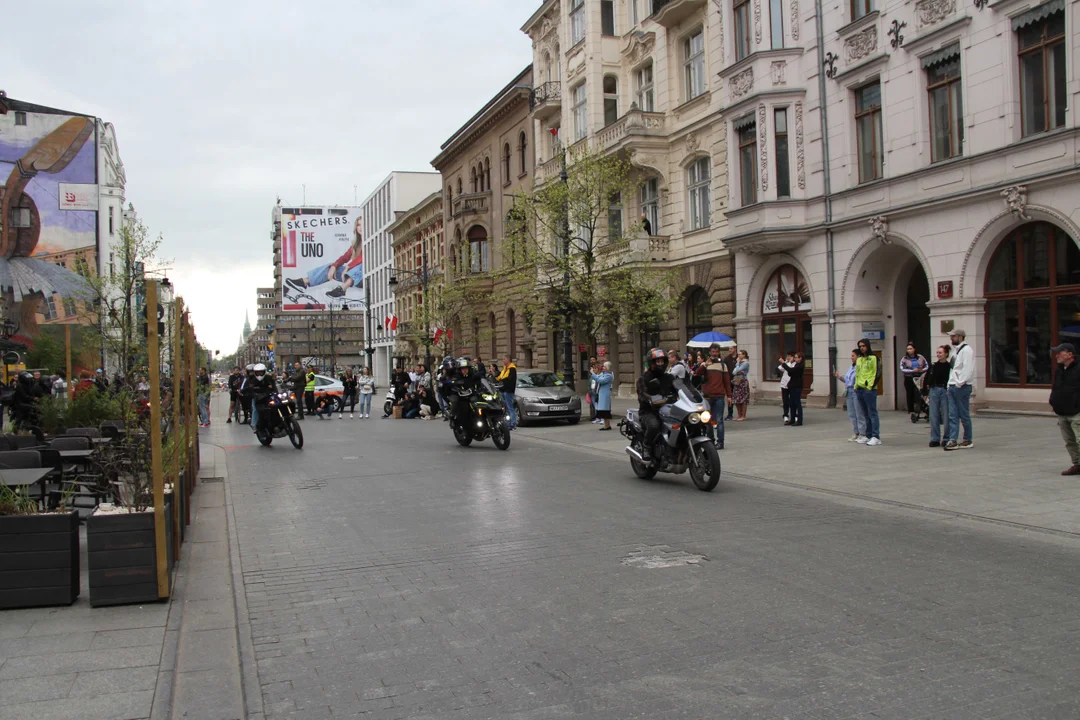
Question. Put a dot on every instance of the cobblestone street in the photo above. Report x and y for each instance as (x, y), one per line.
(389, 573)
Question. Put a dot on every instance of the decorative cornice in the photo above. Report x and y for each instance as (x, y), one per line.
(495, 115)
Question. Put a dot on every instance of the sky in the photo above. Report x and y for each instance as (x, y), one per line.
(222, 107)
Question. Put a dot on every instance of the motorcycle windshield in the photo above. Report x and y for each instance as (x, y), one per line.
(688, 394)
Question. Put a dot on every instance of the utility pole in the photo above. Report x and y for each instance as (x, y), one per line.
(568, 319)
(369, 350)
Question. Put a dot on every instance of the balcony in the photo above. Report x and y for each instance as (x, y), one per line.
(671, 13)
(546, 99)
(471, 204)
(634, 123)
(649, 248)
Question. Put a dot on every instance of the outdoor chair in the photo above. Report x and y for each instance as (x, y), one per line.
(110, 431)
(20, 459)
(22, 442)
(83, 432)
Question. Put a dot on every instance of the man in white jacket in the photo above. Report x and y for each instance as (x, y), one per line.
(958, 393)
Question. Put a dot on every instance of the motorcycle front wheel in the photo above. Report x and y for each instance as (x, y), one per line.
(296, 435)
(462, 435)
(706, 472)
(500, 434)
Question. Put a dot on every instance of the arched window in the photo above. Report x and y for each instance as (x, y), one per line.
(494, 336)
(487, 173)
(459, 185)
(522, 145)
(698, 313)
(1033, 303)
(511, 326)
(472, 179)
(785, 322)
(506, 163)
(479, 258)
(611, 99)
(547, 67)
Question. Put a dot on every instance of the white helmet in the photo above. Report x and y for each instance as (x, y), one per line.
(259, 368)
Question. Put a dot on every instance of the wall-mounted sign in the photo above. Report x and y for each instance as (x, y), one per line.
(874, 330)
(944, 289)
(581, 348)
(78, 196)
(601, 350)
(947, 326)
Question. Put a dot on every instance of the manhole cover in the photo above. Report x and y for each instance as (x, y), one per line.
(661, 556)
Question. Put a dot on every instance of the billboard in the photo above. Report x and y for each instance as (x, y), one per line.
(321, 258)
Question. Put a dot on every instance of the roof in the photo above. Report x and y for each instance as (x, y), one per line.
(514, 86)
(9, 104)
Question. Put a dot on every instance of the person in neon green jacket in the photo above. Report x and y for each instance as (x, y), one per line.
(309, 390)
(867, 374)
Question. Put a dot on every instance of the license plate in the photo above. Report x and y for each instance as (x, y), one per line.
(558, 408)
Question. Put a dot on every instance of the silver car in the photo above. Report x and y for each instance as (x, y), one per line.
(541, 395)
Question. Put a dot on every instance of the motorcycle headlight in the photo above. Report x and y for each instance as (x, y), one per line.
(489, 397)
(706, 416)
(693, 418)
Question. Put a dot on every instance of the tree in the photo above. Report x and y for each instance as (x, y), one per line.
(574, 263)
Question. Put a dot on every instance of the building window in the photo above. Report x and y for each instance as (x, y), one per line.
(611, 99)
(615, 217)
(607, 17)
(694, 64)
(634, 12)
(20, 217)
(506, 163)
(747, 163)
(742, 29)
(861, 8)
(776, 23)
(1042, 73)
(472, 179)
(479, 258)
(523, 144)
(783, 174)
(69, 307)
(487, 173)
(20, 117)
(786, 325)
(698, 313)
(577, 21)
(644, 79)
(868, 132)
(581, 118)
(946, 109)
(50, 308)
(1032, 303)
(650, 204)
(697, 185)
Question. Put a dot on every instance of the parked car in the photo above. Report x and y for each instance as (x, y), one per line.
(541, 395)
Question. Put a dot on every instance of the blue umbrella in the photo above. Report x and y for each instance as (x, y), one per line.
(706, 339)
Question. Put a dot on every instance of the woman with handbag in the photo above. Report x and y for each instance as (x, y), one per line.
(740, 385)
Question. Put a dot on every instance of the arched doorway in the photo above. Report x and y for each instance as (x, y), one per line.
(1032, 293)
(785, 323)
(698, 313)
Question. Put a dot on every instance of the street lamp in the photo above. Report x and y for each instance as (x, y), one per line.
(425, 277)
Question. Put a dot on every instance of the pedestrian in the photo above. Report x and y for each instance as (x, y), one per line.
(867, 374)
(959, 391)
(367, 388)
(740, 384)
(603, 380)
(937, 383)
(913, 366)
(854, 410)
(590, 397)
(348, 394)
(480, 368)
(1065, 401)
(731, 360)
(60, 387)
(236, 378)
(785, 380)
(716, 387)
(299, 380)
(309, 390)
(428, 405)
(507, 380)
(796, 370)
(202, 387)
(676, 367)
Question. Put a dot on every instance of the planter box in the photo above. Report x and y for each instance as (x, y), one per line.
(39, 560)
(122, 558)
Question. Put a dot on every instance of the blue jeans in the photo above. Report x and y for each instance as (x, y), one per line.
(254, 416)
(318, 275)
(867, 399)
(939, 413)
(511, 410)
(204, 409)
(716, 409)
(855, 414)
(365, 403)
(959, 411)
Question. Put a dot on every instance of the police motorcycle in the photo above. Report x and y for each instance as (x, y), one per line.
(277, 417)
(683, 442)
(486, 416)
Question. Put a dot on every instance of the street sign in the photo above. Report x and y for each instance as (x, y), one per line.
(944, 289)
(873, 330)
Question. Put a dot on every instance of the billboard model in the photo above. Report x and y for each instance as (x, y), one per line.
(321, 259)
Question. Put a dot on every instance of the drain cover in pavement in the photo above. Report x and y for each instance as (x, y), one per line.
(661, 556)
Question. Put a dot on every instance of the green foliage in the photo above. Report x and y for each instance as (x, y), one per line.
(88, 409)
(16, 501)
(575, 262)
(47, 353)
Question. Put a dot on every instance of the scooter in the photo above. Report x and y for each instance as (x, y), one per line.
(683, 442)
(388, 404)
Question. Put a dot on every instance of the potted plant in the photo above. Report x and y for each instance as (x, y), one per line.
(39, 553)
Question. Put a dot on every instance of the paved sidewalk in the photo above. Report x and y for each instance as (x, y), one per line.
(1011, 475)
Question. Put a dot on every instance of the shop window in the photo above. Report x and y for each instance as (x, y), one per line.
(1033, 303)
(786, 325)
(698, 313)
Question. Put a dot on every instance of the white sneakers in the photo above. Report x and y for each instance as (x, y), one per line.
(862, 440)
(873, 442)
(854, 438)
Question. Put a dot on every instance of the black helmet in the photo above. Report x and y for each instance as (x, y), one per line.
(657, 359)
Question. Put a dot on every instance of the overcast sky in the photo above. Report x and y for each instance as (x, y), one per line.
(221, 107)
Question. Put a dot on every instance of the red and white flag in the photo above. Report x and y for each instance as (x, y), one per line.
(438, 335)
(393, 322)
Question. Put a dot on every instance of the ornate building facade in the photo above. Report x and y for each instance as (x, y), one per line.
(640, 78)
(418, 245)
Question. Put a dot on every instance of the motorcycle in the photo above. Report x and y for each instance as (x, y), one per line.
(486, 417)
(683, 442)
(278, 419)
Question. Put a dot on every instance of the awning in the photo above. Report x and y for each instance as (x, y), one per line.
(744, 122)
(942, 55)
(1036, 14)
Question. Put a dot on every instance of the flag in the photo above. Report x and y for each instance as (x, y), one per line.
(393, 323)
(386, 323)
(449, 334)
(438, 335)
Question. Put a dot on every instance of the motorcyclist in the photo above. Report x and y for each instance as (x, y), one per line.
(259, 388)
(654, 382)
(464, 380)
